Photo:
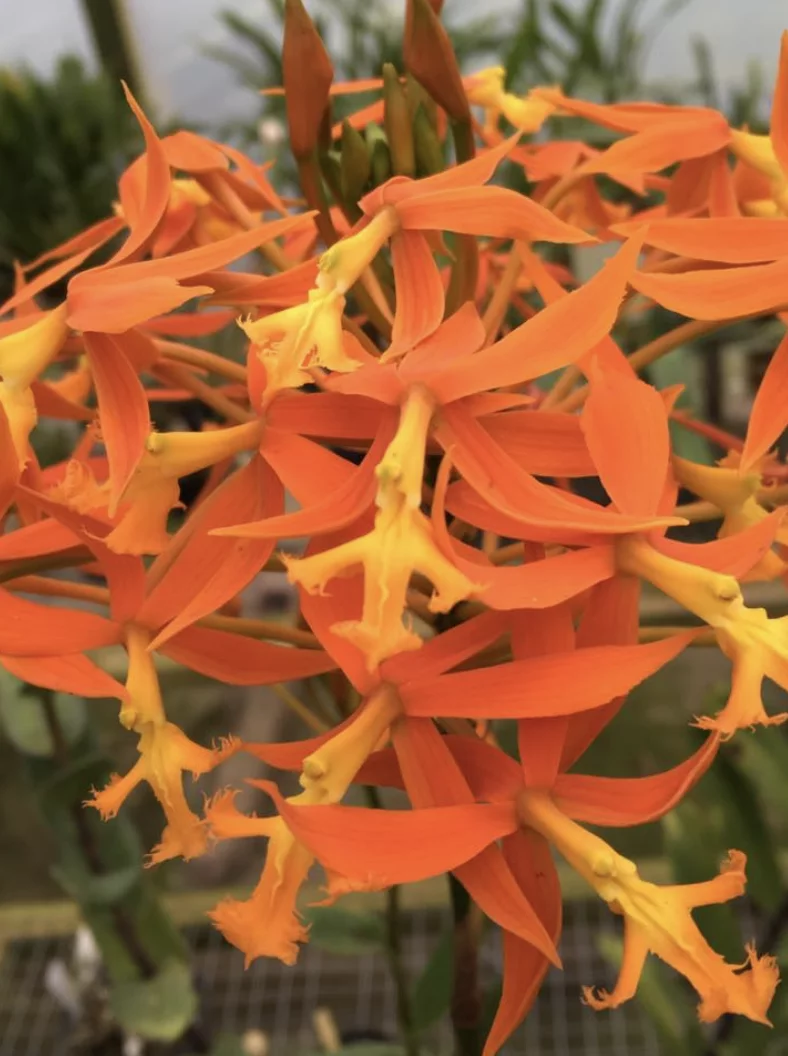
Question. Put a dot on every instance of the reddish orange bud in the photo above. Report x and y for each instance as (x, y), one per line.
(308, 74)
(430, 57)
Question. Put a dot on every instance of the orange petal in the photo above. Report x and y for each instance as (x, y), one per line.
(346, 504)
(64, 674)
(546, 443)
(242, 661)
(554, 337)
(769, 415)
(524, 967)
(729, 239)
(557, 684)
(735, 554)
(625, 424)
(625, 801)
(654, 149)
(191, 324)
(90, 239)
(51, 403)
(719, 293)
(123, 409)
(115, 308)
(433, 779)
(202, 572)
(502, 484)
(446, 650)
(156, 194)
(611, 617)
(328, 414)
(534, 585)
(492, 211)
(420, 300)
(388, 847)
(36, 539)
(25, 626)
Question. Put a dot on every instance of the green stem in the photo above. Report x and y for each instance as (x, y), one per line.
(394, 953)
(466, 1003)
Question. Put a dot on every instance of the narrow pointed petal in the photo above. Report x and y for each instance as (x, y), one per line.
(191, 324)
(206, 571)
(545, 443)
(611, 617)
(64, 674)
(25, 625)
(654, 149)
(524, 967)
(459, 336)
(388, 847)
(625, 801)
(718, 294)
(492, 211)
(328, 414)
(503, 485)
(557, 684)
(114, 308)
(156, 194)
(36, 539)
(729, 240)
(123, 409)
(242, 661)
(446, 650)
(433, 779)
(88, 240)
(625, 424)
(533, 585)
(420, 300)
(769, 415)
(51, 403)
(345, 505)
(558, 335)
(735, 554)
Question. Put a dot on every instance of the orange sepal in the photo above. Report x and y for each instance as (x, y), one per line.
(492, 211)
(728, 240)
(557, 684)
(420, 300)
(381, 848)
(123, 409)
(527, 854)
(202, 572)
(625, 425)
(26, 626)
(625, 801)
(156, 193)
(769, 416)
(73, 673)
(719, 293)
(242, 661)
(560, 334)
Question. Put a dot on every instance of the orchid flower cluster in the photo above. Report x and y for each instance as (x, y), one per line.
(396, 339)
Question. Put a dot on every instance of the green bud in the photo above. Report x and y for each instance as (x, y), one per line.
(355, 163)
(429, 152)
(396, 118)
(379, 154)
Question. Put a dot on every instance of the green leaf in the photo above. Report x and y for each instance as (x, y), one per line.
(103, 889)
(432, 991)
(746, 830)
(339, 930)
(694, 844)
(664, 1000)
(24, 720)
(159, 1009)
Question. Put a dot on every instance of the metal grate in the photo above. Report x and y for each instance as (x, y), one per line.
(280, 1001)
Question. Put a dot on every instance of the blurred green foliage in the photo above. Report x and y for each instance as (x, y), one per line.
(64, 141)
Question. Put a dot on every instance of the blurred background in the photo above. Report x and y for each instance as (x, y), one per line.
(147, 976)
